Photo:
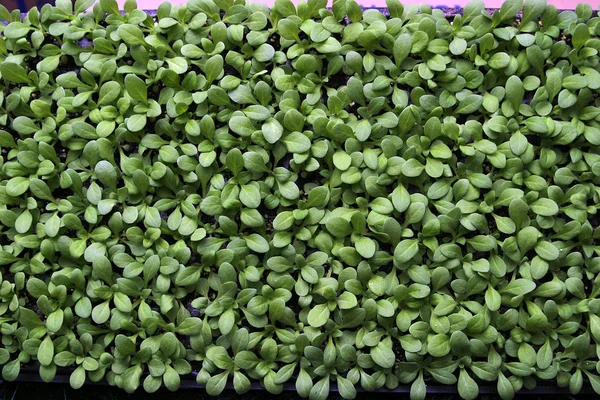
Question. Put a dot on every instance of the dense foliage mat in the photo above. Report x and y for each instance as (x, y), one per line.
(301, 195)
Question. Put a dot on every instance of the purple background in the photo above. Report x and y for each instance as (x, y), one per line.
(560, 4)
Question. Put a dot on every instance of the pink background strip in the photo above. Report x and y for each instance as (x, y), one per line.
(560, 4)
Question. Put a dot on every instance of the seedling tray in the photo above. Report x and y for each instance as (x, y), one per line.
(436, 148)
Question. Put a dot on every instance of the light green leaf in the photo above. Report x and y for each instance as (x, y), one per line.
(318, 315)
(406, 250)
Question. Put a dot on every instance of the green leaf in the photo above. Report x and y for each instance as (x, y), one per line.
(16, 30)
(318, 315)
(472, 10)
(216, 384)
(331, 45)
(338, 226)
(518, 287)
(106, 173)
(581, 35)
(402, 47)
(29, 319)
(544, 207)
(505, 388)
(418, 389)
(595, 326)
(346, 301)
(77, 378)
(458, 46)
(11, 370)
(341, 160)
(101, 313)
(14, 72)
(110, 91)
(17, 186)
(345, 388)
(131, 35)
(283, 221)
(235, 14)
(553, 83)
(189, 276)
(499, 60)
(285, 7)
(493, 299)
(318, 197)
(508, 10)
(383, 355)
(23, 223)
(241, 383)
(514, 90)
(242, 125)
(264, 52)
(304, 383)
(532, 9)
(518, 143)
(412, 168)
(467, 387)
(272, 130)
(65, 359)
(55, 320)
(439, 345)
(235, 161)
(189, 326)
(136, 122)
(178, 65)
(136, 88)
(320, 390)
(40, 189)
(171, 379)
(363, 130)
(469, 104)
(213, 68)
(152, 218)
(297, 142)
(250, 196)
(82, 5)
(110, 6)
(46, 351)
(257, 243)
(122, 302)
(505, 224)
(547, 250)
(219, 356)
(365, 247)
(406, 250)
(544, 355)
